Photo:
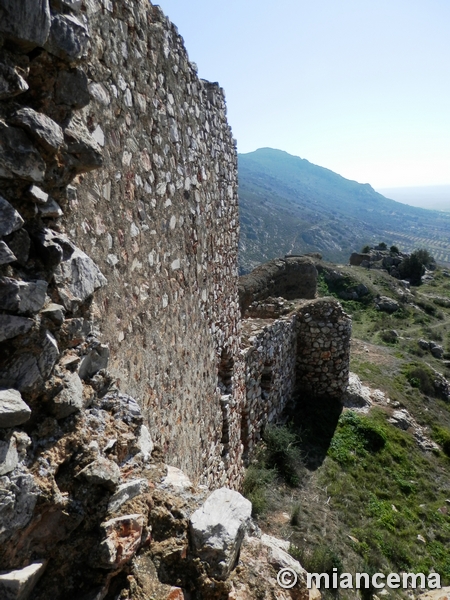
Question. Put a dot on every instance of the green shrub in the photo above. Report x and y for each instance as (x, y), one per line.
(442, 437)
(283, 454)
(422, 378)
(321, 559)
(257, 479)
(295, 515)
(365, 250)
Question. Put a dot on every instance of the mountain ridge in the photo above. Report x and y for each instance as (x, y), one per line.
(289, 205)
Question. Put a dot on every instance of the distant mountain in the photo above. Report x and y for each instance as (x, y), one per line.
(290, 206)
(436, 197)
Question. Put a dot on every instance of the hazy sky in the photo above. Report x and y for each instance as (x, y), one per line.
(361, 87)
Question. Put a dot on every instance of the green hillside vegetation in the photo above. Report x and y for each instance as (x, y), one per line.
(290, 206)
(361, 495)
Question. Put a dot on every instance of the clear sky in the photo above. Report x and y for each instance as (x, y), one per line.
(361, 87)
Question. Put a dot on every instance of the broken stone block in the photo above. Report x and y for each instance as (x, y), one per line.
(25, 22)
(18, 585)
(50, 210)
(127, 491)
(102, 472)
(72, 88)
(21, 296)
(11, 82)
(70, 399)
(145, 443)
(77, 278)
(37, 195)
(13, 410)
(18, 157)
(122, 537)
(55, 312)
(48, 356)
(11, 326)
(218, 528)
(18, 496)
(40, 127)
(10, 220)
(9, 457)
(19, 243)
(6, 256)
(436, 350)
(93, 362)
(123, 407)
(68, 38)
(84, 152)
(176, 480)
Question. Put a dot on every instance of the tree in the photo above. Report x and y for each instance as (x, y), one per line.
(382, 246)
(365, 250)
(394, 250)
(413, 267)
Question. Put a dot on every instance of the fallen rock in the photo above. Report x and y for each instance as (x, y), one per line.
(18, 585)
(6, 256)
(386, 304)
(357, 395)
(70, 400)
(40, 127)
(127, 491)
(19, 243)
(436, 350)
(145, 443)
(122, 537)
(11, 326)
(101, 472)
(218, 528)
(93, 362)
(50, 210)
(10, 220)
(21, 296)
(176, 480)
(37, 195)
(11, 81)
(77, 278)
(9, 457)
(25, 22)
(123, 407)
(18, 496)
(18, 157)
(13, 410)
(55, 312)
(85, 153)
(68, 38)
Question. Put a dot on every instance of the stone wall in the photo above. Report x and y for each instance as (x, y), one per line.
(323, 350)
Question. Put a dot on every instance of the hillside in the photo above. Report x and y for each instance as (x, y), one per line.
(290, 206)
(373, 485)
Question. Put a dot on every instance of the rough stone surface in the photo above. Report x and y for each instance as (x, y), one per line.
(127, 491)
(9, 457)
(12, 82)
(386, 304)
(93, 362)
(77, 278)
(25, 22)
(13, 410)
(21, 296)
(11, 326)
(10, 220)
(6, 256)
(72, 88)
(68, 38)
(69, 400)
(19, 584)
(122, 539)
(18, 156)
(40, 127)
(18, 496)
(218, 528)
(176, 479)
(290, 278)
(102, 472)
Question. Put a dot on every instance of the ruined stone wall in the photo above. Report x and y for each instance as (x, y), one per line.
(160, 219)
(269, 348)
(323, 348)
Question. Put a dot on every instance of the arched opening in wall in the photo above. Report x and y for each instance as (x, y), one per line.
(225, 385)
